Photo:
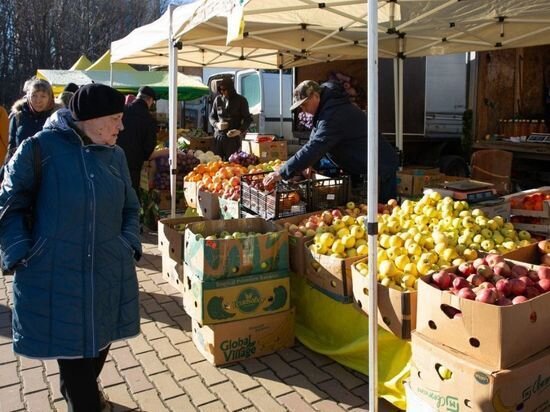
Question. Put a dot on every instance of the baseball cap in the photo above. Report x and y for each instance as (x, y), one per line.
(303, 91)
(147, 91)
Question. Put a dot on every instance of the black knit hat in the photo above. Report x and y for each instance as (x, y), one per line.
(96, 100)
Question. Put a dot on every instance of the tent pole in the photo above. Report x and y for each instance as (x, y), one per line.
(172, 111)
(396, 98)
(281, 102)
(372, 178)
(400, 100)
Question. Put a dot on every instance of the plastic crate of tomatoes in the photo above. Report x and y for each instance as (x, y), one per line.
(282, 200)
(329, 192)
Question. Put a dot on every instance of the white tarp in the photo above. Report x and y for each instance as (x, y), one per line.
(291, 33)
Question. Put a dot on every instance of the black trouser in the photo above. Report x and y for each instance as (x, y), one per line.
(78, 382)
(387, 188)
(225, 146)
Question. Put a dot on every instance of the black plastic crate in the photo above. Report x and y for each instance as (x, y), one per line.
(280, 202)
(329, 192)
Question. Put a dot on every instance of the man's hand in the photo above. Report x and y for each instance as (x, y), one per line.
(271, 179)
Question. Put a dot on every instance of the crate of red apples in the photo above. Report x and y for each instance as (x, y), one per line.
(494, 309)
(273, 202)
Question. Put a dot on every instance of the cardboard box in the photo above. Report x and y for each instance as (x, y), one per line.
(492, 208)
(172, 272)
(396, 310)
(545, 212)
(296, 245)
(225, 258)
(527, 255)
(266, 151)
(190, 191)
(208, 205)
(474, 386)
(235, 298)
(171, 235)
(331, 275)
(542, 228)
(230, 209)
(414, 402)
(200, 143)
(412, 180)
(231, 342)
(499, 336)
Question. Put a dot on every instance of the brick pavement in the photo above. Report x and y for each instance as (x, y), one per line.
(161, 370)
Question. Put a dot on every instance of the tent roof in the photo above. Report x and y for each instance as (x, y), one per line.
(104, 63)
(319, 31)
(81, 64)
(189, 87)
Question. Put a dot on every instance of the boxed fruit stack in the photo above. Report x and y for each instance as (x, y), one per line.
(237, 288)
(483, 340)
(171, 233)
(417, 238)
(531, 210)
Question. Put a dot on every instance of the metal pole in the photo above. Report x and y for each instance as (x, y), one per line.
(372, 176)
(400, 97)
(281, 102)
(172, 111)
(396, 100)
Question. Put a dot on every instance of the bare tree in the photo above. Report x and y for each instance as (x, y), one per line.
(53, 34)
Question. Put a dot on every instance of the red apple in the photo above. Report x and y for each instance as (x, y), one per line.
(336, 213)
(503, 286)
(466, 293)
(519, 270)
(543, 272)
(545, 259)
(502, 269)
(528, 282)
(504, 302)
(531, 292)
(519, 299)
(544, 284)
(442, 279)
(487, 296)
(475, 279)
(517, 286)
(492, 259)
(460, 283)
(479, 261)
(466, 269)
(485, 271)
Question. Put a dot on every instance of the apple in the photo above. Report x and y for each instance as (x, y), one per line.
(544, 246)
(466, 269)
(502, 269)
(544, 285)
(475, 279)
(531, 292)
(517, 286)
(545, 259)
(336, 213)
(524, 235)
(519, 299)
(543, 272)
(487, 295)
(459, 283)
(479, 261)
(518, 271)
(485, 271)
(503, 286)
(504, 301)
(466, 293)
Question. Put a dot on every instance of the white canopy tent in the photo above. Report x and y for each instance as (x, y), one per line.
(313, 31)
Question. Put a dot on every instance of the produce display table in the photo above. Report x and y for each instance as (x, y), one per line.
(340, 331)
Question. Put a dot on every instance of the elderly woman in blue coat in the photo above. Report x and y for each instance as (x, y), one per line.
(75, 288)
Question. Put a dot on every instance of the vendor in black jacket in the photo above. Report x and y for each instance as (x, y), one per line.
(339, 133)
(230, 118)
(139, 137)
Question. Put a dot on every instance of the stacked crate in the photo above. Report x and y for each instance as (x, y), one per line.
(531, 210)
(236, 288)
(476, 356)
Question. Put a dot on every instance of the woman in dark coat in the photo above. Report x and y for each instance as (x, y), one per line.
(75, 288)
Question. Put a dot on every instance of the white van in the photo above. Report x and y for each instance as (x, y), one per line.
(262, 90)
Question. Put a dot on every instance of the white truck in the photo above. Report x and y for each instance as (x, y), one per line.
(262, 89)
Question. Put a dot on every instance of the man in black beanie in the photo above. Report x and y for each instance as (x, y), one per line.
(139, 137)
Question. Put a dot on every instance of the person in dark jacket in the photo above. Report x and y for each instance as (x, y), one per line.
(339, 133)
(75, 288)
(139, 137)
(230, 118)
(29, 114)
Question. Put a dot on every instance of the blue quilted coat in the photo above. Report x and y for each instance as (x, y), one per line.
(75, 287)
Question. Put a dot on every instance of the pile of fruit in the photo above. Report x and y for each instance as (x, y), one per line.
(270, 166)
(217, 176)
(533, 201)
(207, 157)
(493, 280)
(244, 159)
(235, 235)
(186, 161)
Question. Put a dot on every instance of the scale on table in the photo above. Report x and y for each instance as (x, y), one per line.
(538, 138)
(472, 191)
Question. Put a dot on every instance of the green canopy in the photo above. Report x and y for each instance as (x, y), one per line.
(189, 87)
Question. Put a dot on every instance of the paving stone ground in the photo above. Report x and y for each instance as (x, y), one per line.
(160, 370)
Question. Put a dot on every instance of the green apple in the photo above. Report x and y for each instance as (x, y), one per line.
(524, 235)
